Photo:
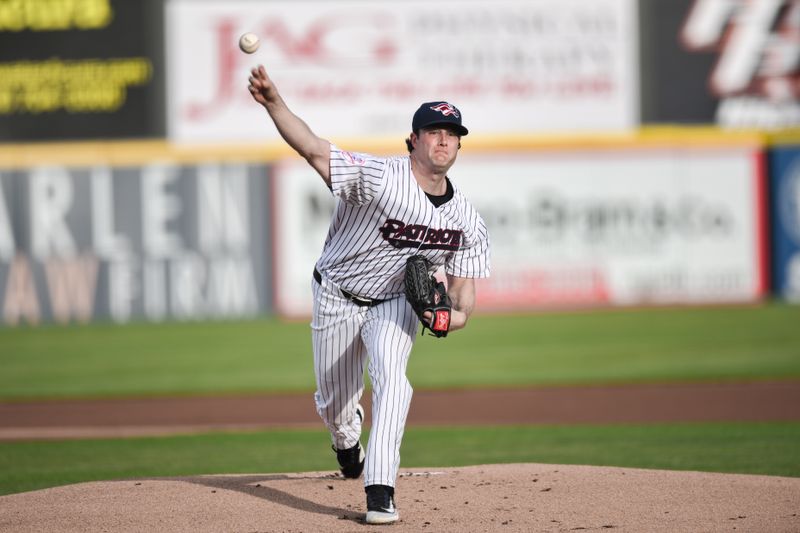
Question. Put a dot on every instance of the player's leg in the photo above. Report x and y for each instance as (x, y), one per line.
(388, 334)
(339, 359)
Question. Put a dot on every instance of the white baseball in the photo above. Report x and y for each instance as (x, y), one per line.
(249, 43)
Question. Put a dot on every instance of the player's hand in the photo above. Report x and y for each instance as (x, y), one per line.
(261, 86)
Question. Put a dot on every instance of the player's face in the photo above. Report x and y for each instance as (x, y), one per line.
(437, 147)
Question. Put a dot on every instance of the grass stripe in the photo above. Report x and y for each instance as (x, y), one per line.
(622, 346)
(751, 448)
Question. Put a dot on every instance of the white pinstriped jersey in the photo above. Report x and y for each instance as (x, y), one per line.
(383, 216)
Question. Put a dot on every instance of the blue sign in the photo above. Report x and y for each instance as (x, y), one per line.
(785, 209)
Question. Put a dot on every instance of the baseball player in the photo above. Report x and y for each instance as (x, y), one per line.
(387, 210)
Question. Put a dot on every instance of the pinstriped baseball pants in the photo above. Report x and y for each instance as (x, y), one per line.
(346, 337)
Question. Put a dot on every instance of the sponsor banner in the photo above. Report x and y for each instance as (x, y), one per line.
(673, 226)
(785, 208)
(360, 69)
(81, 70)
(726, 61)
(577, 228)
(152, 242)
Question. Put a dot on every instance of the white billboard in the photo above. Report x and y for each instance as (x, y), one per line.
(623, 227)
(360, 69)
(576, 228)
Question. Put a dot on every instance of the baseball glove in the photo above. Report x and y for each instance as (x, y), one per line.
(424, 293)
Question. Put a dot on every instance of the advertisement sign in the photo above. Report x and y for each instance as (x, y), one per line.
(356, 69)
(627, 227)
(152, 242)
(785, 209)
(576, 228)
(726, 61)
(81, 70)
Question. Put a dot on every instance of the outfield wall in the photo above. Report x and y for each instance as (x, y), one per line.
(215, 218)
(151, 231)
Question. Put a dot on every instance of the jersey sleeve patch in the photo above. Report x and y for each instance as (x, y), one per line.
(355, 177)
(354, 158)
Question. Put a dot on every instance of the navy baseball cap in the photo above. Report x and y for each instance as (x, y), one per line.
(438, 113)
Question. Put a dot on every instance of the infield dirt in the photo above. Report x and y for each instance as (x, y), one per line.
(508, 498)
(676, 402)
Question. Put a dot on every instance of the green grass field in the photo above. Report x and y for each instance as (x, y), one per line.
(623, 346)
(730, 343)
(743, 448)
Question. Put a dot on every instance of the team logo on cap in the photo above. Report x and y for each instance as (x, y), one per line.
(446, 109)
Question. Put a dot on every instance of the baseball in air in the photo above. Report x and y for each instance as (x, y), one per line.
(249, 43)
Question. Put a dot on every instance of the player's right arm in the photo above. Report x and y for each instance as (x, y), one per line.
(295, 132)
(462, 294)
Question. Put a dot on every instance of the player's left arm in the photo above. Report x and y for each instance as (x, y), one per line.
(462, 294)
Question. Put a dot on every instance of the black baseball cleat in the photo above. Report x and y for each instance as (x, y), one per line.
(380, 505)
(351, 460)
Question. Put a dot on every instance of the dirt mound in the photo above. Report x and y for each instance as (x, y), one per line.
(509, 498)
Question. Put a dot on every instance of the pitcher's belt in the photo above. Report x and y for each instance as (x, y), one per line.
(358, 300)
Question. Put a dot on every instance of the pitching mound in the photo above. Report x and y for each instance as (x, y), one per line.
(521, 497)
